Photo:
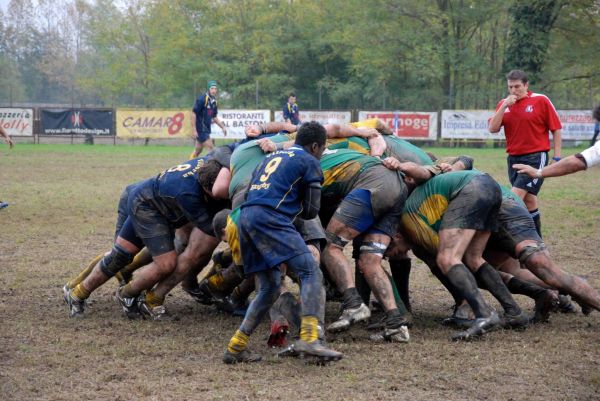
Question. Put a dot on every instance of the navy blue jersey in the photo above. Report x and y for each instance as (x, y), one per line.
(205, 109)
(177, 194)
(280, 180)
(291, 112)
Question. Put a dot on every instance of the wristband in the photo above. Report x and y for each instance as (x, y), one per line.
(556, 158)
(279, 146)
(538, 173)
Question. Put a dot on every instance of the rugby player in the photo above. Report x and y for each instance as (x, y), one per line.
(285, 185)
(364, 197)
(156, 207)
(449, 219)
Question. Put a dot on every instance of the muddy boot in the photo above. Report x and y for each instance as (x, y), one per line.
(462, 317)
(480, 326)
(350, 316)
(317, 350)
(544, 304)
(395, 329)
(199, 295)
(244, 356)
(517, 322)
(565, 305)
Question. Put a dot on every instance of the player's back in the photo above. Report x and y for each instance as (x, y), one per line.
(279, 182)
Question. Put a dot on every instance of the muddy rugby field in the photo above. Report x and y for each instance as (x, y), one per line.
(62, 212)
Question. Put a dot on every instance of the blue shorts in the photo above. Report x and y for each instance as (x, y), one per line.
(523, 181)
(203, 137)
(267, 239)
(122, 211)
(356, 210)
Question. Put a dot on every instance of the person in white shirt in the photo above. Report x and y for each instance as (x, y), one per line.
(569, 165)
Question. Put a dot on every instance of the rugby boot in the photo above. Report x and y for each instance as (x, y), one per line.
(230, 305)
(480, 326)
(317, 350)
(565, 305)
(217, 296)
(350, 316)
(65, 291)
(3, 205)
(156, 313)
(129, 305)
(395, 328)
(462, 317)
(377, 324)
(585, 308)
(244, 356)
(517, 322)
(76, 305)
(394, 335)
(280, 328)
(199, 296)
(290, 350)
(544, 304)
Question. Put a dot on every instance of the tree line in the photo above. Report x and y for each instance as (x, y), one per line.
(336, 54)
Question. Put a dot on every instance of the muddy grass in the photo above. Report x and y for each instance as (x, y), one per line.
(61, 214)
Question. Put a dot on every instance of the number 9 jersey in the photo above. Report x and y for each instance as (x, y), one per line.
(280, 180)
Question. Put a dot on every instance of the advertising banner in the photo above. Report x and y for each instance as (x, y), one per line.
(17, 121)
(473, 124)
(77, 122)
(577, 124)
(156, 123)
(237, 120)
(407, 124)
(322, 116)
(468, 124)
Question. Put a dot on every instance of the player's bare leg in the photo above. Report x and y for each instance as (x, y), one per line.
(453, 245)
(199, 248)
(121, 255)
(340, 271)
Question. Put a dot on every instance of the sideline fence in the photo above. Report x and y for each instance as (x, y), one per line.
(455, 128)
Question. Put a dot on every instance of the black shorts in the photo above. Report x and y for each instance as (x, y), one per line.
(536, 160)
(515, 226)
(475, 207)
(154, 229)
(311, 231)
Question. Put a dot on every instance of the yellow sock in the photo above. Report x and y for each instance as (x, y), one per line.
(216, 281)
(238, 342)
(86, 272)
(80, 292)
(154, 300)
(142, 258)
(308, 329)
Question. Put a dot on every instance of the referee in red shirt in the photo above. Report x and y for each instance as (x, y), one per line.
(527, 117)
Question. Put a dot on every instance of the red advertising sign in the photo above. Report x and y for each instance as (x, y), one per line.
(415, 125)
